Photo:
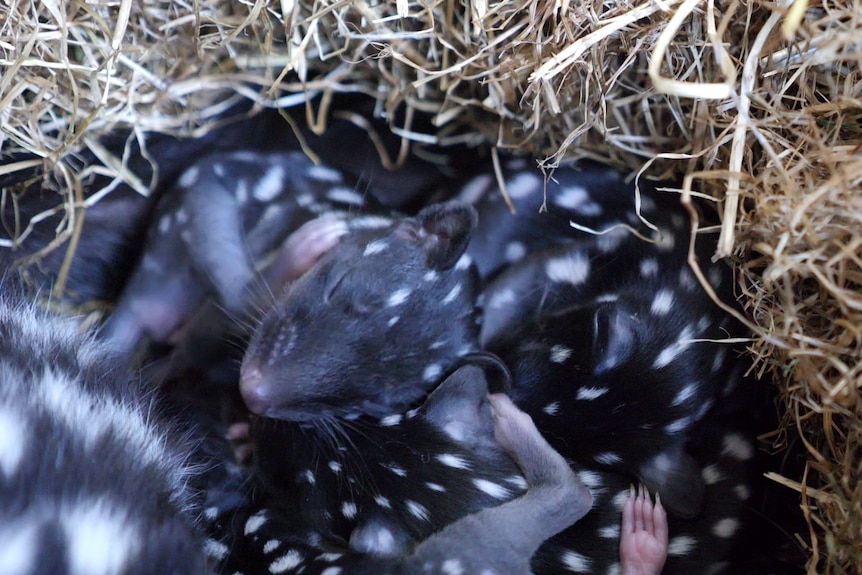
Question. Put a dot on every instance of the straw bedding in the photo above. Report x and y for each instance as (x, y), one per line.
(754, 104)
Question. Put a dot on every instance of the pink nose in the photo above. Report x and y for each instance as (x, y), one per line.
(254, 389)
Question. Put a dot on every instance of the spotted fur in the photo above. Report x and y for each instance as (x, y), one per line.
(210, 234)
(92, 479)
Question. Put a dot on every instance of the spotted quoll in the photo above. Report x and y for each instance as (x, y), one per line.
(218, 225)
(465, 483)
(610, 337)
(351, 496)
(93, 479)
(374, 325)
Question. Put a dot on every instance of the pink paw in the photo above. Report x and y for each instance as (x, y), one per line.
(643, 538)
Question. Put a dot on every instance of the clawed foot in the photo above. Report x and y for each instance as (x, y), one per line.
(643, 539)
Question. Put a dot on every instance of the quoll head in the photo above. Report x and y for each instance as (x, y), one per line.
(373, 326)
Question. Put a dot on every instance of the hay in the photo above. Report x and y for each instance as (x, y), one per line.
(756, 104)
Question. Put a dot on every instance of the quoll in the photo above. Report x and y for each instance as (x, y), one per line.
(373, 326)
(93, 478)
(353, 498)
(224, 217)
(483, 490)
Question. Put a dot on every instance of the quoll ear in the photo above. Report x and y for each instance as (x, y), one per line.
(442, 231)
(459, 407)
(613, 336)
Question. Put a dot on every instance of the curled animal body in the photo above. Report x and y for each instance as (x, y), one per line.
(355, 496)
(222, 220)
(464, 481)
(616, 349)
(92, 479)
(374, 325)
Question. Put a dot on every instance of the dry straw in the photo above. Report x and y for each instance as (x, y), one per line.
(755, 104)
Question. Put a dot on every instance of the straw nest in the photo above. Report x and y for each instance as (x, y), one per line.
(754, 104)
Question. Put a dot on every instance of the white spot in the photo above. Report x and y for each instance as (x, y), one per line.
(592, 479)
(515, 251)
(348, 509)
(290, 560)
(610, 532)
(218, 169)
(686, 280)
(614, 569)
(742, 492)
(666, 241)
(431, 276)
(435, 487)
(667, 355)
(437, 344)
(215, 549)
(182, 216)
(18, 548)
(575, 562)
(737, 447)
(725, 527)
(453, 293)
(711, 474)
(681, 546)
(677, 426)
(452, 567)
(518, 481)
(399, 296)
(455, 461)
(577, 199)
(165, 224)
(393, 320)
(715, 276)
(335, 466)
(608, 458)
(375, 247)
(309, 476)
(254, 523)
(13, 439)
(560, 353)
(395, 468)
(684, 395)
(382, 502)
(417, 510)
(473, 190)
(591, 393)
(323, 174)
(270, 185)
(391, 420)
(493, 489)
(189, 177)
(211, 512)
(501, 298)
(330, 557)
(649, 267)
(620, 499)
(552, 408)
(271, 545)
(331, 571)
(662, 302)
(345, 196)
(523, 185)
(463, 263)
(304, 200)
(432, 372)
(572, 269)
(102, 539)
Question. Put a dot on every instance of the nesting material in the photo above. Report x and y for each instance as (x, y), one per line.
(756, 105)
